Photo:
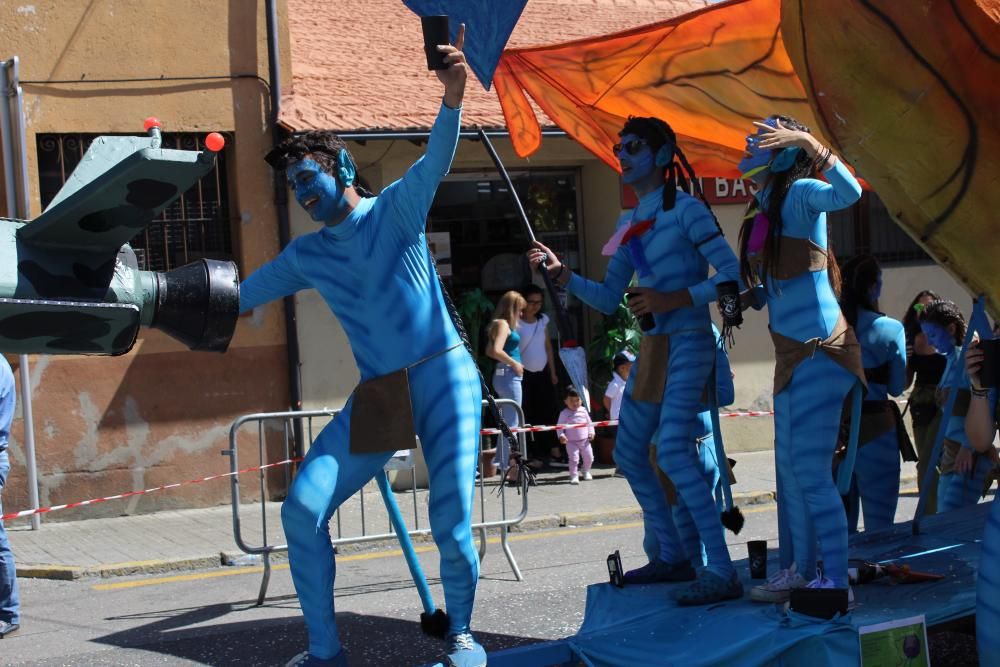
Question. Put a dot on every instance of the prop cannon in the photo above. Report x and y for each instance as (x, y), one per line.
(71, 284)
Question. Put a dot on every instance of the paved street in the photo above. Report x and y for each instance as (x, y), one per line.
(207, 617)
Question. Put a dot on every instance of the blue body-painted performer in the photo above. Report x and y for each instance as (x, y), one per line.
(669, 240)
(702, 443)
(784, 257)
(371, 264)
(981, 426)
(963, 470)
(875, 484)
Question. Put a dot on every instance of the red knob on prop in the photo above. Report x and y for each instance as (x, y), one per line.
(150, 123)
(215, 142)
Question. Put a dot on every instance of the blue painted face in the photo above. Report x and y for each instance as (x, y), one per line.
(636, 158)
(877, 288)
(938, 336)
(756, 158)
(319, 193)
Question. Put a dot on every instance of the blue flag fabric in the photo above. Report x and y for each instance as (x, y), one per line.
(488, 26)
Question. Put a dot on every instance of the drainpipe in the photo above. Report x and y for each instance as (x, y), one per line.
(15, 169)
(284, 224)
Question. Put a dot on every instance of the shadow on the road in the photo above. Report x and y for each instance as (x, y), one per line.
(211, 635)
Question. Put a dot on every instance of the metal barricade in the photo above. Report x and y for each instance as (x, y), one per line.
(361, 521)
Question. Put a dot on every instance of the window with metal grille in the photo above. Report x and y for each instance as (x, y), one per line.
(196, 225)
(868, 228)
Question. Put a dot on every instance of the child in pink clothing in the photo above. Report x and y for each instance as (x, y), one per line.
(577, 440)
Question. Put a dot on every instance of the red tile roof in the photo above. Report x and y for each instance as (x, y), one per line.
(362, 66)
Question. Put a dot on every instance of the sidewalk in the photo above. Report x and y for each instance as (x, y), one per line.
(201, 538)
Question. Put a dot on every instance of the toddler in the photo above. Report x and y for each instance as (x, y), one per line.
(577, 440)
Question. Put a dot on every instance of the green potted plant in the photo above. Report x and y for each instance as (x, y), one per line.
(618, 331)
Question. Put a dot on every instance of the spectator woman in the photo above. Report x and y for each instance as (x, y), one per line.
(540, 376)
(924, 368)
(503, 346)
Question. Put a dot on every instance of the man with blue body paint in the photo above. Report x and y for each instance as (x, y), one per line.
(668, 240)
(371, 264)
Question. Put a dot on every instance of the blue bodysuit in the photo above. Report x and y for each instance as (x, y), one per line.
(807, 410)
(678, 248)
(875, 485)
(702, 445)
(375, 272)
(956, 489)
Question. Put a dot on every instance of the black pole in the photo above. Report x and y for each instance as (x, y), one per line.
(562, 317)
(284, 223)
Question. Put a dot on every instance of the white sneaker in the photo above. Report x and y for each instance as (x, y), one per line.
(587, 476)
(778, 587)
(574, 480)
(822, 582)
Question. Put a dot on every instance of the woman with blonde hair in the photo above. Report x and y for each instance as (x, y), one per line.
(503, 346)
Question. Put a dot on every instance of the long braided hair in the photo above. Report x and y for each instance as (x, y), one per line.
(779, 185)
(858, 277)
(677, 171)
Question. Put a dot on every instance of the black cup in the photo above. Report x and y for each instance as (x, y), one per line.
(728, 294)
(435, 33)
(646, 321)
(757, 552)
(991, 362)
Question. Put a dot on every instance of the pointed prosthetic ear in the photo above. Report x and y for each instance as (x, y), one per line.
(665, 155)
(346, 171)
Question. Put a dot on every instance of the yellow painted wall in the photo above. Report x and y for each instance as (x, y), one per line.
(161, 413)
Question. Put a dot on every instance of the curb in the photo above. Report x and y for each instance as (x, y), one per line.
(239, 559)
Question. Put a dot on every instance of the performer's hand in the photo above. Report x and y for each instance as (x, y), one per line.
(454, 77)
(783, 137)
(648, 300)
(540, 254)
(974, 363)
(963, 461)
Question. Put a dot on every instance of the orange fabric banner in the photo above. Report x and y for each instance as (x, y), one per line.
(710, 74)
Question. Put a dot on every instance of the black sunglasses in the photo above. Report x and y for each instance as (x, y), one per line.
(632, 147)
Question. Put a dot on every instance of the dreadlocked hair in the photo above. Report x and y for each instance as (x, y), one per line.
(943, 313)
(858, 276)
(911, 318)
(658, 133)
(322, 146)
(779, 185)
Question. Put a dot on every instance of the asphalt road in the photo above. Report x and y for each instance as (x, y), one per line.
(209, 617)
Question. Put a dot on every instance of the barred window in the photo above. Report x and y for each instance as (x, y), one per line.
(868, 227)
(196, 225)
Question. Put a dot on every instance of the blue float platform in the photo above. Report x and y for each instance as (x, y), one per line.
(641, 625)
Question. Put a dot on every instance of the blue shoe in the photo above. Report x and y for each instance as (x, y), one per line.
(464, 651)
(709, 588)
(305, 660)
(660, 571)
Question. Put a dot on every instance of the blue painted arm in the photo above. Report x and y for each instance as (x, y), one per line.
(413, 194)
(605, 296)
(841, 190)
(897, 355)
(699, 225)
(279, 277)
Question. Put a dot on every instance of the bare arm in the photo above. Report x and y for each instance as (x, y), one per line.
(980, 423)
(499, 333)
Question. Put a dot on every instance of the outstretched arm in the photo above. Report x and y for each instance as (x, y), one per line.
(413, 194)
(279, 277)
(604, 296)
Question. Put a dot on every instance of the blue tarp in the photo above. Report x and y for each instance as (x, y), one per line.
(641, 625)
(488, 26)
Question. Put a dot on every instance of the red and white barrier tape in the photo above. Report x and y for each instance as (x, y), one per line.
(485, 431)
(94, 501)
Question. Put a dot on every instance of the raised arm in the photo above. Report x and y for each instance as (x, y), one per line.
(279, 277)
(840, 191)
(413, 194)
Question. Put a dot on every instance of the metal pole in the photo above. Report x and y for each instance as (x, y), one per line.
(12, 126)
